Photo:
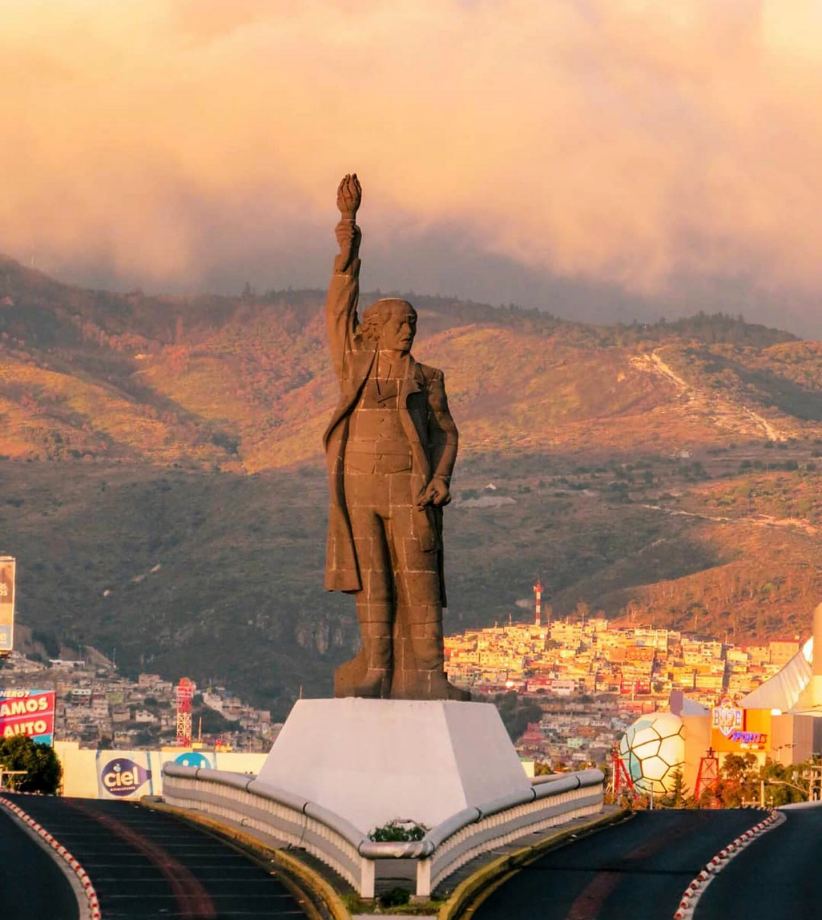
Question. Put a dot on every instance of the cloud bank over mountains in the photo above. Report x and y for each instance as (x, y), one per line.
(658, 155)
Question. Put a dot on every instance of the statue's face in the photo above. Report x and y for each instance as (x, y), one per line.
(399, 329)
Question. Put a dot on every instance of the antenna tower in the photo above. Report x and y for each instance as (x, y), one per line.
(707, 777)
(185, 691)
(620, 777)
(538, 602)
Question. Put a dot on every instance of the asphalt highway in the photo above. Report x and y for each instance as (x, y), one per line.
(146, 864)
(636, 870)
(32, 886)
(777, 877)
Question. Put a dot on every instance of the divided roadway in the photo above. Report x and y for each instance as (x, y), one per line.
(776, 878)
(147, 864)
(142, 864)
(32, 885)
(635, 870)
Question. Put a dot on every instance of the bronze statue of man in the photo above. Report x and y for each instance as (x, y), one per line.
(390, 449)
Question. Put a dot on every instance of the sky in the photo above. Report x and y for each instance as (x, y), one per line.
(604, 159)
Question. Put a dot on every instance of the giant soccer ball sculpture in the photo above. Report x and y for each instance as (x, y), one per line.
(653, 749)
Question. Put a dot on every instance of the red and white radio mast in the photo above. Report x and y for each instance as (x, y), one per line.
(185, 691)
(538, 603)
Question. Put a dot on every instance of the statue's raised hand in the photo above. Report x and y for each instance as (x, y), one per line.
(349, 195)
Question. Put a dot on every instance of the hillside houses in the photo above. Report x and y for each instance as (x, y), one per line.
(592, 678)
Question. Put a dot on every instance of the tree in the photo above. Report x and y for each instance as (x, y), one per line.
(516, 714)
(740, 780)
(581, 612)
(783, 784)
(43, 769)
(679, 794)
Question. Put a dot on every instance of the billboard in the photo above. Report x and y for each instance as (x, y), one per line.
(738, 731)
(124, 774)
(7, 565)
(727, 718)
(27, 712)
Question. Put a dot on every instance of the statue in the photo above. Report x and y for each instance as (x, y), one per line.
(390, 450)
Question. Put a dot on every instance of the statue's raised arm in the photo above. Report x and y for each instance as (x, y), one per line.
(343, 290)
(349, 196)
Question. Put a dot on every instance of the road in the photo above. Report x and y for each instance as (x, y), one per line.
(147, 864)
(636, 870)
(777, 877)
(32, 887)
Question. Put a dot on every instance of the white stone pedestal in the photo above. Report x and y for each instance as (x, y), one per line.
(371, 761)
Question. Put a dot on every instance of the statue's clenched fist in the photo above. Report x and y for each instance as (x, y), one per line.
(349, 195)
(436, 493)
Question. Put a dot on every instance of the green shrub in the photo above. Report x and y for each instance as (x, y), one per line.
(43, 770)
(398, 831)
(395, 897)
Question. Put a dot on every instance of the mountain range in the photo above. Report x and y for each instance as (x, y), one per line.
(163, 490)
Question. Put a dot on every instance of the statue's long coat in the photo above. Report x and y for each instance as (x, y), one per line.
(424, 415)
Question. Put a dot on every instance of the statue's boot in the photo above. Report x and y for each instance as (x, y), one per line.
(423, 677)
(426, 685)
(368, 673)
(457, 693)
(442, 689)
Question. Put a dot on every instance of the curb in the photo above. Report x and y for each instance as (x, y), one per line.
(289, 864)
(72, 865)
(697, 887)
(499, 870)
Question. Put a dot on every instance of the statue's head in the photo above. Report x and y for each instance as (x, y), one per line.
(391, 324)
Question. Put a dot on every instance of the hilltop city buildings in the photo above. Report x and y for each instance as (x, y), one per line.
(589, 679)
(97, 706)
(592, 678)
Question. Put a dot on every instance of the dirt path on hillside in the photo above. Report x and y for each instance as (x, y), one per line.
(720, 409)
(757, 520)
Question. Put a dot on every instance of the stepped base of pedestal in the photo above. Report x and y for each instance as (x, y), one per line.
(371, 761)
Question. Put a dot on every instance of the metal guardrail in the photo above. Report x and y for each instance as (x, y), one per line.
(277, 817)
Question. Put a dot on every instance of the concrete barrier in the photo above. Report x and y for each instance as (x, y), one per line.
(278, 818)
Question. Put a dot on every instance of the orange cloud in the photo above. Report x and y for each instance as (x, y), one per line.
(626, 142)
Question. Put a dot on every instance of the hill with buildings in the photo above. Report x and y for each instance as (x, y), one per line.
(162, 481)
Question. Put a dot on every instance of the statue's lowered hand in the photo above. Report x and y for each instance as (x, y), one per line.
(436, 493)
(349, 196)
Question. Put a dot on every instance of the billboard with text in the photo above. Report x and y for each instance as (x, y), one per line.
(124, 774)
(7, 566)
(27, 712)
